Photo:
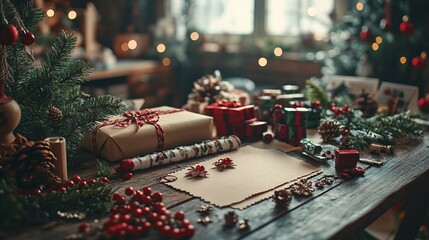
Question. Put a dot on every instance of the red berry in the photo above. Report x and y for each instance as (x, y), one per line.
(115, 217)
(176, 233)
(167, 213)
(134, 205)
(165, 231)
(127, 176)
(76, 179)
(129, 191)
(112, 230)
(116, 196)
(120, 201)
(82, 183)
(158, 225)
(69, 183)
(346, 108)
(145, 225)
(84, 227)
(27, 37)
(346, 175)
(153, 217)
(105, 180)
(91, 181)
(145, 199)
(180, 215)
(127, 165)
(146, 211)
(125, 218)
(62, 190)
(147, 191)
(190, 230)
(162, 218)
(8, 34)
(157, 197)
(138, 212)
(138, 230)
(158, 205)
(161, 211)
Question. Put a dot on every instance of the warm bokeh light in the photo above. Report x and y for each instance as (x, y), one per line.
(405, 18)
(403, 60)
(72, 15)
(262, 62)
(161, 48)
(166, 61)
(132, 44)
(278, 51)
(124, 47)
(50, 13)
(359, 6)
(379, 40)
(375, 46)
(423, 55)
(194, 36)
(311, 11)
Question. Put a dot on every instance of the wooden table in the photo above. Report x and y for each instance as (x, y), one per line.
(338, 212)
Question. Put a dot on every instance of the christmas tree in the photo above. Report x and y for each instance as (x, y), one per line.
(48, 91)
(383, 39)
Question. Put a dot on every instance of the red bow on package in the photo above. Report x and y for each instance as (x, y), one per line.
(229, 104)
(141, 117)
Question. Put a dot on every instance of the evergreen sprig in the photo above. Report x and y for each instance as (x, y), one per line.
(386, 130)
(22, 210)
(315, 92)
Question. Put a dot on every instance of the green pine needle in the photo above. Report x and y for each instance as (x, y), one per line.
(104, 169)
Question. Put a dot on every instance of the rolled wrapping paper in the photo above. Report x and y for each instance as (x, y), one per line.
(58, 148)
(204, 148)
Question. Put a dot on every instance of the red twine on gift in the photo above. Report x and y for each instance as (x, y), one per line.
(140, 118)
(223, 163)
(197, 171)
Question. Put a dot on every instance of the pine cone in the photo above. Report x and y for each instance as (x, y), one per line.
(54, 114)
(366, 104)
(330, 129)
(32, 165)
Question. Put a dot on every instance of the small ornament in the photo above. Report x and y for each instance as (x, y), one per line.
(346, 159)
(349, 173)
(302, 188)
(267, 137)
(379, 148)
(27, 37)
(330, 129)
(231, 219)
(327, 180)
(418, 63)
(204, 220)
(406, 26)
(282, 198)
(365, 34)
(205, 209)
(244, 225)
(54, 114)
(224, 163)
(424, 104)
(366, 104)
(198, 171)
(8, 34)
(385, 24)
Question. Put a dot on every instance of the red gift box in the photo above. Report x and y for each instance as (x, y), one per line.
(346, 159)
(254, 129)
(229, 117)
(230, 111)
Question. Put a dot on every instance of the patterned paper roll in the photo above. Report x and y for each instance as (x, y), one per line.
(58, 148)
(186, 152)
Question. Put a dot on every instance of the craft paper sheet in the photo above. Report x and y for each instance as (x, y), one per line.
(257, 171)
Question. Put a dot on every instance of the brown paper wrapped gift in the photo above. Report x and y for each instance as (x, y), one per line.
(180, 128)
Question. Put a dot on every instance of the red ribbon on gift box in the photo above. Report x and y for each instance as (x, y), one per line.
(281, 131)
(230, 111)
(141, 117)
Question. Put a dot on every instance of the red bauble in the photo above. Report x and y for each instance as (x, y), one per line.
(418, 63)
(424, 104)
(366, 35)
(8, 34)
(27, 37)
(406, 27)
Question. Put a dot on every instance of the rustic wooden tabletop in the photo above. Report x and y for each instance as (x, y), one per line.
(339, 211)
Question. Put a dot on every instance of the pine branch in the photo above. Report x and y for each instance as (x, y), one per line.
(104, 169)
(313, 92)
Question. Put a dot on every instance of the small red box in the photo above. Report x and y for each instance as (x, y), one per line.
(346, 159)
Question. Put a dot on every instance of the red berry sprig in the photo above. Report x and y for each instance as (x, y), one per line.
(139, 212)
(338, 111)
(353, 172)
